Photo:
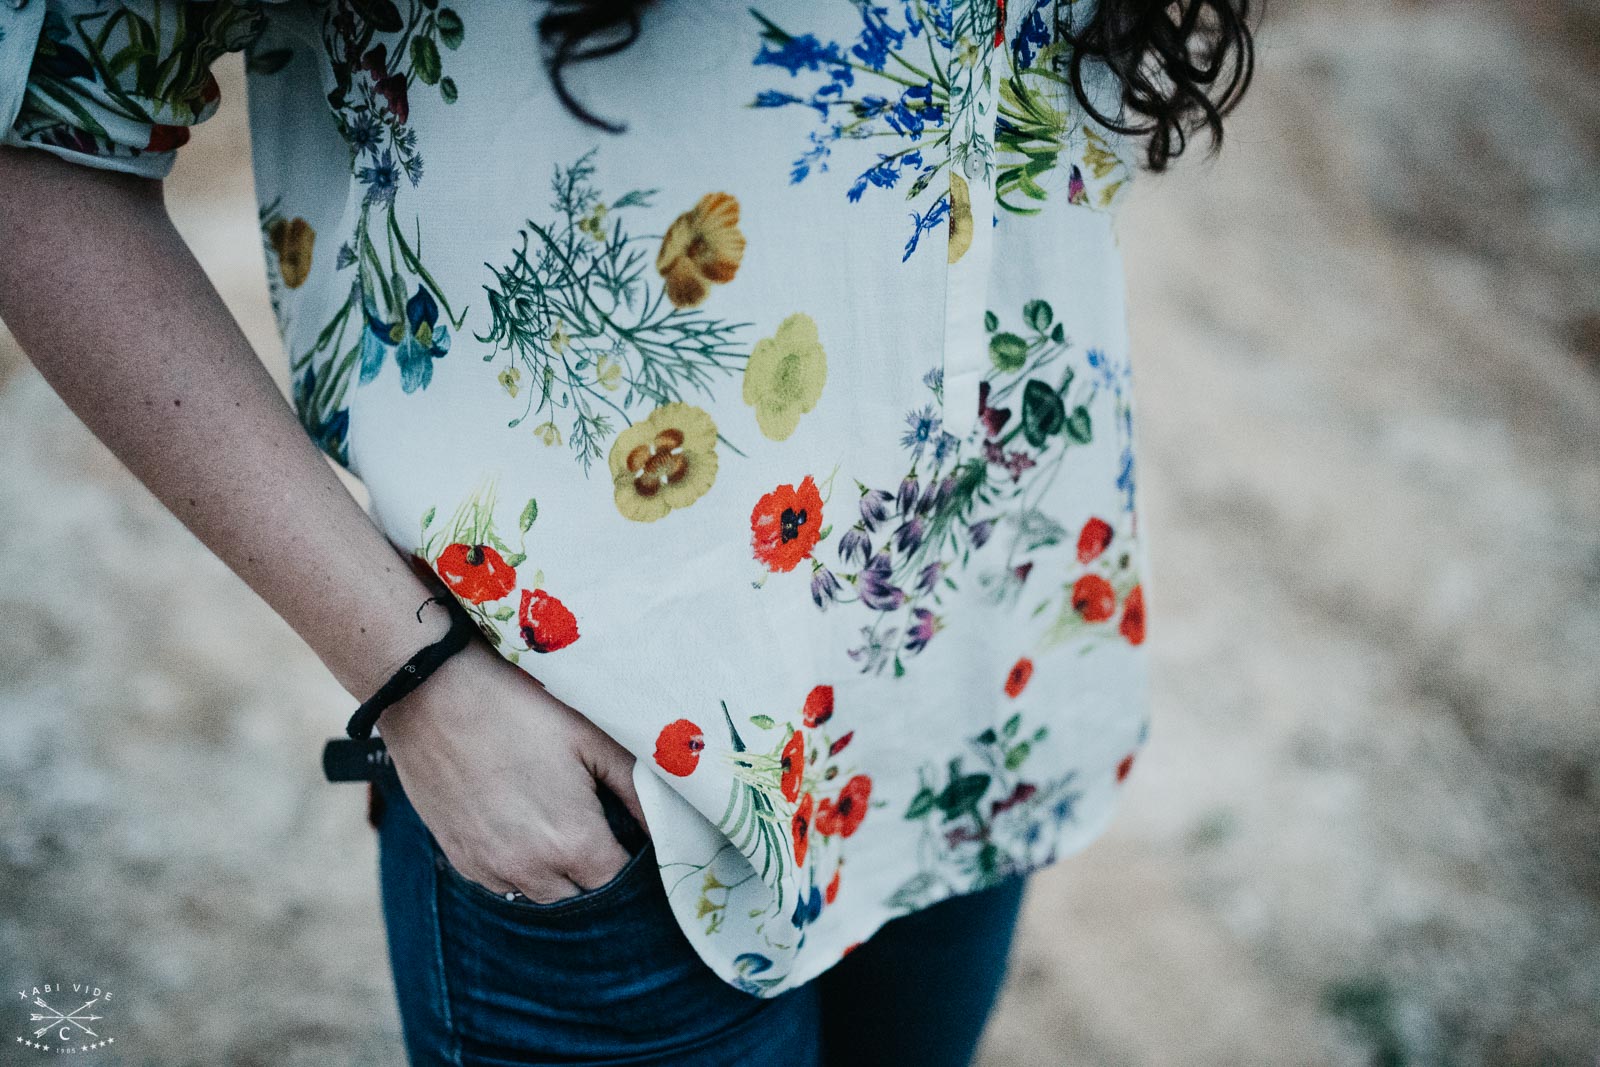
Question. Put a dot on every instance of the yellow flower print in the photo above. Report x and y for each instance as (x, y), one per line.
(1106, 173)
(292, 239)
(784, 377)
(559, 338)
(702, 246)
(548, 432)
(593, 224)
(510, 379)
(1098, 156)
(960, 217)
(608, 372)
(663, 462)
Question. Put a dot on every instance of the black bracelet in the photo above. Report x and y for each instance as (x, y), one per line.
(418, 667)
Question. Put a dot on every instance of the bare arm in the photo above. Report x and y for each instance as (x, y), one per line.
(109, 304)
(106, 299)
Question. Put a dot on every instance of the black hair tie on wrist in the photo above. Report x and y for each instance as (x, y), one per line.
(357, 758)
(415, 669)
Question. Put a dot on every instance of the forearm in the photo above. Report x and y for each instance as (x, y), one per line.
(108, 302)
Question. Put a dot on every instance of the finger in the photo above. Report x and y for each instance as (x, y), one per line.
(549, 889)
(612, 765)
(485, 877)
(599, 858)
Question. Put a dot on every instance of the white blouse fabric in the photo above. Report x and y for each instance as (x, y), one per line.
(785, 434)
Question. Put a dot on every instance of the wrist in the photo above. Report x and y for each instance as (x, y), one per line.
(424, 622)
(417, 668)
(419, 713)
(405, 612)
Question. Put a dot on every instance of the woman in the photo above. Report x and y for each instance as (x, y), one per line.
(773, 438)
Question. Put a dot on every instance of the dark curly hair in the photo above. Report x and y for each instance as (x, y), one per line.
(1182, 64)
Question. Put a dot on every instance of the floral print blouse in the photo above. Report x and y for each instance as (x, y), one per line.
(786, 435)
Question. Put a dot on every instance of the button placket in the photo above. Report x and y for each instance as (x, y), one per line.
(965, 354)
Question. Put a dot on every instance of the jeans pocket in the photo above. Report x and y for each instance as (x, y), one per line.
(605, 975)
(627, 883)
(622, 886)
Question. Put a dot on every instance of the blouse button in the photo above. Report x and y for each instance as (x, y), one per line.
(973, 167)
(18, 5)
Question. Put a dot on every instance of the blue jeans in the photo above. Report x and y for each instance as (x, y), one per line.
(606, 977)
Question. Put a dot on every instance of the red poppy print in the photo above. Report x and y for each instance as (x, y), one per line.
(1132, 626)
(476, 573)
(807, 799)
(786, 525)
(819, 706)
(547, 625)
(1017, 678)
(1093, 598)
(800, 829)
(793, 762)
(844, 815)
(678, 747)
(1093, 540)
(1125, 766)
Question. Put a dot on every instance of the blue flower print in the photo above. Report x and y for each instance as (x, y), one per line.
(416, 342)
(382, 179)
(807, 908)
(1032, 36)
(923, 429)
(330, 433)
(749, 964)
(910, 106)
(804, 52)
(1115, 376)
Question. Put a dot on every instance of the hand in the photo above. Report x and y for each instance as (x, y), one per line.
(504, 776)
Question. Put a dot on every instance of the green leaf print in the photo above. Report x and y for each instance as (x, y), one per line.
(1037, 314)
(961, 796)
(1043, 414)
(1008, 352)
(921, 804)
(601, 331)
(425, 60)
(1078, 427)
(451, 31)
(994, 822)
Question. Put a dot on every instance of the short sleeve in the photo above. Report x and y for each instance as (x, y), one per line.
(114, 84)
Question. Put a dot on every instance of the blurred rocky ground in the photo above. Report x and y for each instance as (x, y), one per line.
(1367, 830)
